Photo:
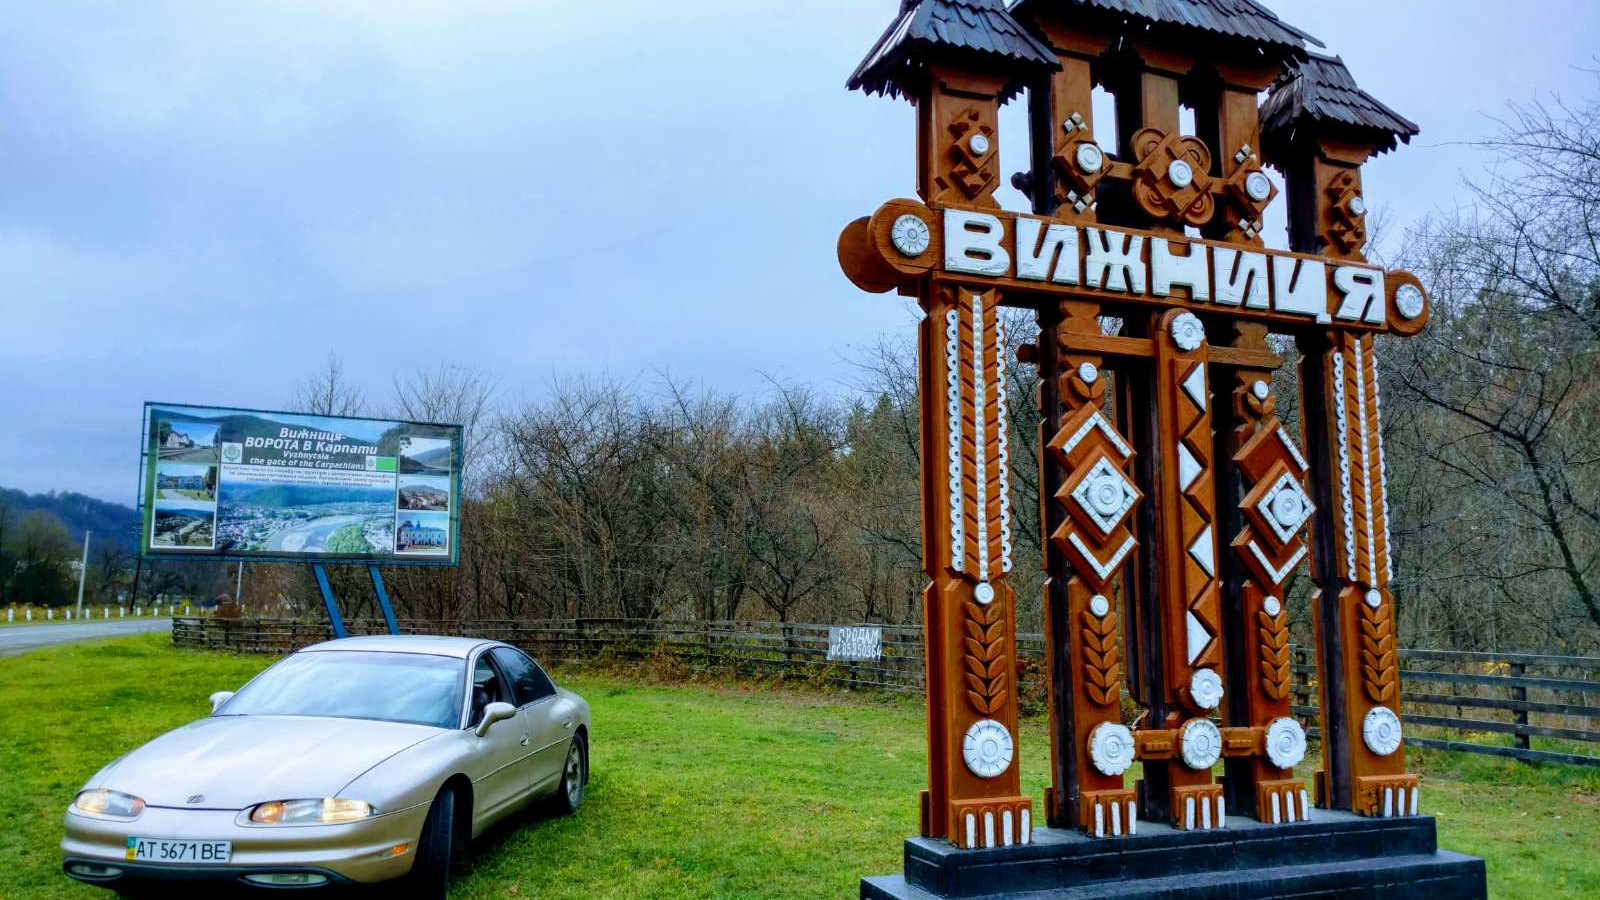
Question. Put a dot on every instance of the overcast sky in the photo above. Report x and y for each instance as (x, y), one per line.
(199, 201)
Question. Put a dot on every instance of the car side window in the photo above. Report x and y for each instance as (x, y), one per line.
(528, 681)
(487, 687)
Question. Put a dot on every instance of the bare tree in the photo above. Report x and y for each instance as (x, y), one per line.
(1498, 403)
(328, 392)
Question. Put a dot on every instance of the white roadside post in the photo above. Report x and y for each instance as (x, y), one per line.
(30, 614)
(50, 614)
(10, 615)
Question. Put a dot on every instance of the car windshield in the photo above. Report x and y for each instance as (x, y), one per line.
(352, 684)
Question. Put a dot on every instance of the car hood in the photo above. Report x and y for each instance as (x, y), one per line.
(237, 761)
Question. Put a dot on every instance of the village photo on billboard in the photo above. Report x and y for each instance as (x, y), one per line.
(188, 442)
(186, 481)
(422, 533)
(426, 493)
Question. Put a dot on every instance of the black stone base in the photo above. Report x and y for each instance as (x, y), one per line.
(1334, 855)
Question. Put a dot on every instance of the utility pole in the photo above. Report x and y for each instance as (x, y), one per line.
(83, 570)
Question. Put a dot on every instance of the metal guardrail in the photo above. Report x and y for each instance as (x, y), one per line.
(1439, 685)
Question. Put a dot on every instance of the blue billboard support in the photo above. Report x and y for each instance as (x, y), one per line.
(383, 599)
(327, 599)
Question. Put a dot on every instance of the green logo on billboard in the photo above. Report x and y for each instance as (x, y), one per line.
(385, 463)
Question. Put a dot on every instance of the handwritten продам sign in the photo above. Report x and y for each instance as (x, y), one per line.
(852, 643)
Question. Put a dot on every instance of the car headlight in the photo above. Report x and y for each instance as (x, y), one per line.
(101, 802)
(324, 811)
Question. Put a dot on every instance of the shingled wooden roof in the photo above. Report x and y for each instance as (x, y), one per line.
(981, 29)
(1320, 92)
(1244, 19)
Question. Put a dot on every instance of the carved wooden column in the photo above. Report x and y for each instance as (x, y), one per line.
(1087, 497)
(1357, 651)
(1273, 508)
(1096, 496)
(1261, 498)
(975, 796)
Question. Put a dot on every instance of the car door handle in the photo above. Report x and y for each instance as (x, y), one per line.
(524, 741)
(566, 723)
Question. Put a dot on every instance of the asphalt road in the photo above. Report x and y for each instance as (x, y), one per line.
(22, 638)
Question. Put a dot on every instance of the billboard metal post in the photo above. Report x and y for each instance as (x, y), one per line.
(383, 599)
(83, 570)
(327, 599)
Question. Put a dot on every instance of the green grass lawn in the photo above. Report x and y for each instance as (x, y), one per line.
(697, 791)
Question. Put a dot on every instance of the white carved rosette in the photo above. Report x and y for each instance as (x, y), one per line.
(1286, 742)
(1111, 748)
(1380, 730)
(1201, 741)
(1205, 686)
(987, 748)
(1187, 332)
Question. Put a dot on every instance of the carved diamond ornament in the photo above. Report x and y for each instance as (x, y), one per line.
(1286, 507)
(1380, 730)
(1105, 494)
(1286, 743)
(1187, 332)
(987, 748)
(1111, 748)
(1202, 744)
(910, 235)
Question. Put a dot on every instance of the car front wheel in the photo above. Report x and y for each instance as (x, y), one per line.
(430, 873)
(569, 796)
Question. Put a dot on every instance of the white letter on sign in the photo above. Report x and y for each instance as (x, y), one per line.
(1035, 266)
(972, 243)
(1363, 293)
(1300, 286)
(1241, 277)
(1112, 268)
(1168, 269)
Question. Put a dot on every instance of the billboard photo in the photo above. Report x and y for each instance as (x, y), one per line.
(251, 484)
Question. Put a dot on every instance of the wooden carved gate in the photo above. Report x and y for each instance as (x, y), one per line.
(1175, 502)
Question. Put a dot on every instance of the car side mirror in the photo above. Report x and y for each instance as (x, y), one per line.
(219, 698)
(495, 712)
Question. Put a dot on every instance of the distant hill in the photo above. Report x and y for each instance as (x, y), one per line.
(108, 521)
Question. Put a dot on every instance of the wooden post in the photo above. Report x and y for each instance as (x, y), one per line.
(1519, 695)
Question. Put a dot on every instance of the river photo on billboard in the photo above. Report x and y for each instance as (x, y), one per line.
(299, 518)
(181, 524)
(254, 484)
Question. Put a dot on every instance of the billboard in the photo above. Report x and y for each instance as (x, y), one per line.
(257, 485)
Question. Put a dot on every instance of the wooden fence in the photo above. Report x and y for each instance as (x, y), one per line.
(1491, 703)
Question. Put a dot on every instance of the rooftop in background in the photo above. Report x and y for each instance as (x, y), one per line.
(1321, 91)
(1245, 19)
(977, 28)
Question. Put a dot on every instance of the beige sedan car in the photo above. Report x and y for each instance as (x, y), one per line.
(353, 761)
